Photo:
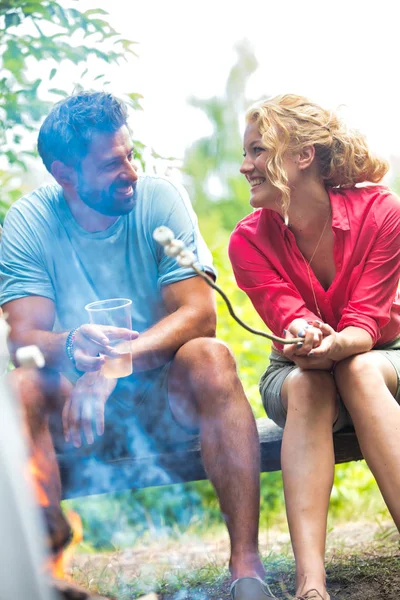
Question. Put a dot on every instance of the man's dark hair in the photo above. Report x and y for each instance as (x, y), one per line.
(68, 130)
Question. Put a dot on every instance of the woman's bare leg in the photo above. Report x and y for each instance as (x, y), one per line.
(367, 383)
(308, 469)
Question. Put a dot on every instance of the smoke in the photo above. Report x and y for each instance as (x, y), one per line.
(22, 552)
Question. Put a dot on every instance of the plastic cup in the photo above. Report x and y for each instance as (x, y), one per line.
(115, 312)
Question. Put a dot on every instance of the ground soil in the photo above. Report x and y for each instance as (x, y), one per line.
(363, 561)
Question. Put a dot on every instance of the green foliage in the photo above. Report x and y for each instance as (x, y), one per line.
(355, 492)
(212, 163)
(251, 351)
(42, 32)
(118, 520)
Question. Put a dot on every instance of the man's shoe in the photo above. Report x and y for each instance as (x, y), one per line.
(250, 588)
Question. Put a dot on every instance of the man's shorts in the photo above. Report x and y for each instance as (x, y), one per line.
(280, 367)
(138, 420)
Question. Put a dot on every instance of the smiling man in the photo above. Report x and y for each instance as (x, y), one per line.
(88, 238)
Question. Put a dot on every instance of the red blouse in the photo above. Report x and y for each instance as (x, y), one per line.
(269, 267)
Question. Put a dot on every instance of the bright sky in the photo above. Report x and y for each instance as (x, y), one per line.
(337, 52)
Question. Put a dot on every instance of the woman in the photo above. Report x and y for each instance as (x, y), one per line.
(320, 260)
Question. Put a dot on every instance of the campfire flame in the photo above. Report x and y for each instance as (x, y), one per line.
(60, 563)
(38, 480)
(57, 563)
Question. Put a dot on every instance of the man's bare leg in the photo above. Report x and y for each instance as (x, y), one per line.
(39, 393)
(205, 392)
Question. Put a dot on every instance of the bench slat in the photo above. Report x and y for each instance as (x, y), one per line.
(180, 466)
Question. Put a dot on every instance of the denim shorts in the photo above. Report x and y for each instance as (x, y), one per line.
(138, 420)
(280, 367)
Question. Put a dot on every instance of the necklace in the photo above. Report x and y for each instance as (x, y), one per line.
(308, 263)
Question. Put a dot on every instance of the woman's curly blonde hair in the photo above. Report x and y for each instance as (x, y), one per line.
(290, 122)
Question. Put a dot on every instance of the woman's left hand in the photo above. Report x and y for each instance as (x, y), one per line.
(302, 354)
(330, 346)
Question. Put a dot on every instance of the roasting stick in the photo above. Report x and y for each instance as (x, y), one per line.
(185, 258)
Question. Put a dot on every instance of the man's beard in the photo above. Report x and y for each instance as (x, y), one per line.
(102, 200)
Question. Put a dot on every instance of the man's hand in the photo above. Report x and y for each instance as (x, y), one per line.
(83, 411)
(92, 343)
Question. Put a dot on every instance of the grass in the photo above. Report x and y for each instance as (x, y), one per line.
(367, 569)
(188, 559)
(350, 573)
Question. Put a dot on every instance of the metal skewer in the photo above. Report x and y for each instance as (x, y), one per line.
(177, 249)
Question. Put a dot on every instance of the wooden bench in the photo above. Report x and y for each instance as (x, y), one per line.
(180, 466)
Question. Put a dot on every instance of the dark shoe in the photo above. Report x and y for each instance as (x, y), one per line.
(250, 588)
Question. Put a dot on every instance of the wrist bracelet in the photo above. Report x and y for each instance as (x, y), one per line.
(69, 345)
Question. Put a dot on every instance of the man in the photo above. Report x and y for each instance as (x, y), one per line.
(90, 238)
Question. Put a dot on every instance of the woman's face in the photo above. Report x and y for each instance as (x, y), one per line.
(262, 193)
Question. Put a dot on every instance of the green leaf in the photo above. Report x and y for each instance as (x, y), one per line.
(135, 96)
(13, 59)
(21, 109)
(12, 19)
(59, 92)
(95, 11)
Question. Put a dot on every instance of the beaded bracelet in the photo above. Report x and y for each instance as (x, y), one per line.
(69, 344)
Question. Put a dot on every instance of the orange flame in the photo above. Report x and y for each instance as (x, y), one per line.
(57, 565)
(38, 479)
(61, 562)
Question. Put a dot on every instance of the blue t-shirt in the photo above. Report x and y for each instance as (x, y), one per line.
(45, 252)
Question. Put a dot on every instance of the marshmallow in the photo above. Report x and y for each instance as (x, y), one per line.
(163, 235)
(186, 258)
(30, 356)
(174, 248)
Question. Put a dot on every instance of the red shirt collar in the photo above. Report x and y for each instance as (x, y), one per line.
(340, 217)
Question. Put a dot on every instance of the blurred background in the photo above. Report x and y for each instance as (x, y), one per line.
(189, 70)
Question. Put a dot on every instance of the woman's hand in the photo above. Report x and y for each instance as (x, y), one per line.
(331, 346)
(303, 353)
(312, 337)
(340, 345)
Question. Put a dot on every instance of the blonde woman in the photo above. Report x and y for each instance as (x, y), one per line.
(320, 260)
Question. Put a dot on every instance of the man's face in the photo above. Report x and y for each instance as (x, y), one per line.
(106, 176)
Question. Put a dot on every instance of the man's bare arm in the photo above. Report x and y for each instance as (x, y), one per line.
(192, 314)
(31, 320)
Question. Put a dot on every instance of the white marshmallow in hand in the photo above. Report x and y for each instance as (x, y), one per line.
(163, 235)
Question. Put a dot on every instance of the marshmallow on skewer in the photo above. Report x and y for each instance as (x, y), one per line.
(186, 258)
(163, 235)
(30, 356)
(174, 248)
